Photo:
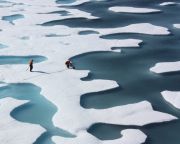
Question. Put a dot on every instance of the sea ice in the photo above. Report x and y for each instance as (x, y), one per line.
(167, 3)
(176, 26)
(129, 136)
(78, 2)
(163, 67)
(126, 9)
(173, 97)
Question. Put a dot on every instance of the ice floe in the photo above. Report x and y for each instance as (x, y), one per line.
(129, 136)
(126, 9)
(168, 67)
(164, 67)
(176, 26)
(168, 3)
(15, 132)
(173, 97)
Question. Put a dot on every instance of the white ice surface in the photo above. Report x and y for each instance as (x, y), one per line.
(12, 131)
(39, 14)
(78, 2)
(61, 86)
(173, 97)
(129, 136)
(167, 3)
(142, 28)
(132, 114)
(126, 9)
(163, 67)
(176, 26)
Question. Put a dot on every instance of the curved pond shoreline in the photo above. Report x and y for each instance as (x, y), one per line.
(12, 18)
(38, 111)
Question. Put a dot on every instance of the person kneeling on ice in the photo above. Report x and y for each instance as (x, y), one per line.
(31, 65)
(69, 64)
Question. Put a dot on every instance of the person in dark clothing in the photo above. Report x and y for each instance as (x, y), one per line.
(31, 65)
(69, 64)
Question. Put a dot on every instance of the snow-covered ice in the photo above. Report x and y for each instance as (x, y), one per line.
(129, 136)
(173, 97)
(142, 28)
(77, 2)
(126, 9)
(176, 26)
(167, 3)
(163, 67)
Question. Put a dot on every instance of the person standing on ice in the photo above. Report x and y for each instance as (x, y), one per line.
(31, 65)
(69, 64)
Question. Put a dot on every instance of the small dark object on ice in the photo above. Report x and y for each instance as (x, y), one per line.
(31, 65)
(69, 64)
